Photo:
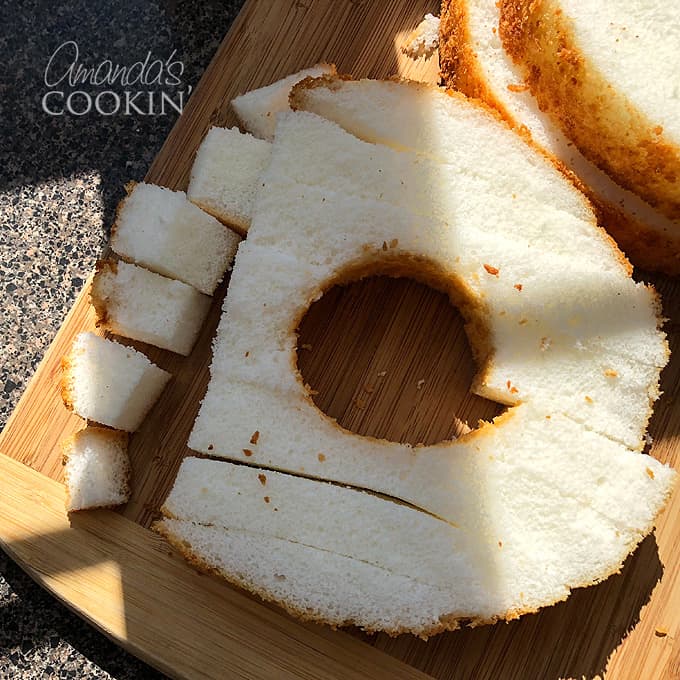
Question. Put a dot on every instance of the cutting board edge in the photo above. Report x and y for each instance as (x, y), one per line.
(30, 496)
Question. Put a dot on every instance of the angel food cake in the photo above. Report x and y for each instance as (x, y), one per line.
(399, 178)
(574, 50)
(486, 51)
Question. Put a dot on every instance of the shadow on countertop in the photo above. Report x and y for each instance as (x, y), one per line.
(39, 638)
(63, 175)
(61, 178)
(40, 147)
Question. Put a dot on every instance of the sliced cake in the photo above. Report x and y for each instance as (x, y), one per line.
(411, 181)
(109, 383)
(96, 469)
(225, 174)
(257, 109)
(573, 51)
(139, 304)
(163, 231)
(514, 499)
(474, 61)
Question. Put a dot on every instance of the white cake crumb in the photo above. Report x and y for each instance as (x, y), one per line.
(424, 40)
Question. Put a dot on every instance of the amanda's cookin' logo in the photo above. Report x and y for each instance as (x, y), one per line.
(108, 88)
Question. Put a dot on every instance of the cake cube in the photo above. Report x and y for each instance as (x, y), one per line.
(139, 304)
(109, 383)
(96, 469)
(163, 231)
(226, 174)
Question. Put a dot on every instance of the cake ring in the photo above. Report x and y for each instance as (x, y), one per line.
(404, 179)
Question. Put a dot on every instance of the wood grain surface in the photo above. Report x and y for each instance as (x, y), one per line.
(125, 579)
(388, 358)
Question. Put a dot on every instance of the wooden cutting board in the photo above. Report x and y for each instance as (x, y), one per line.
(388, 358)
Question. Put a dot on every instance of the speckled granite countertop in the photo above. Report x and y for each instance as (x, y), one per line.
(61, 177)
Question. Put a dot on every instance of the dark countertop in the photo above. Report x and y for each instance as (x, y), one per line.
(60, 180)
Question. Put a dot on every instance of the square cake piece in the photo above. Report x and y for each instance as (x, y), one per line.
(109, 383)
(226, 173)
(96, 469)
(139, 304)
(165, 232)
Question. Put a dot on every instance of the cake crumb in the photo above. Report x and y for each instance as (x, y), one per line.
(611, 373)
(262, 478)
(321, 458)
(255, 438)
(382, 374)
(661, 631)
(518, 286)
(420, 384)
(247, 452)
(424, 39)
(267, 499)
(650, 472)
(311, 391)
(491, 270)
(518, 87)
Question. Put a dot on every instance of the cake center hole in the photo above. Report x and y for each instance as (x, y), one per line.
(389, 358)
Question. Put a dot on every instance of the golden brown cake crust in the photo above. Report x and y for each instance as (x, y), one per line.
(458, 63)
(97, 298)
(608, 130)
(129, 188)
(66, 384)
(646, 247)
